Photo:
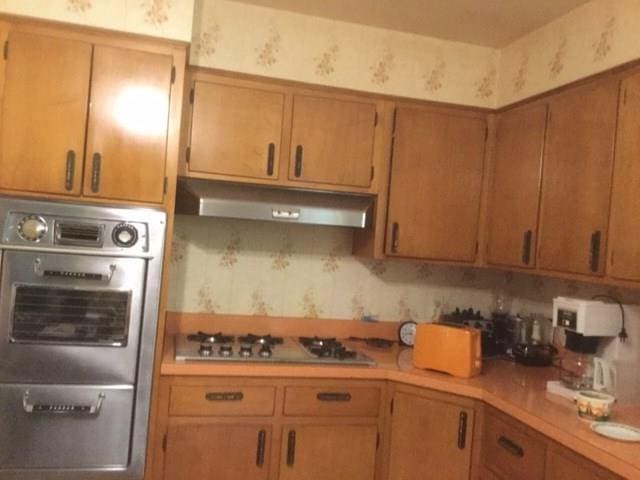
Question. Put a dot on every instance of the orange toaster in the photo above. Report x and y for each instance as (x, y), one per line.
(453, 349)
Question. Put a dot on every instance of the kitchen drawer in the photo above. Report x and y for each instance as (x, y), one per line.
(221, 400)
(332, 400)
(510, 452)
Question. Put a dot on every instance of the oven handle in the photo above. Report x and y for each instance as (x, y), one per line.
(62, 408)
(42, 272)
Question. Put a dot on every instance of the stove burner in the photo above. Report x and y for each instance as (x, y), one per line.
(252, 339)
(327, 348)
(203, 337)
(318, 342)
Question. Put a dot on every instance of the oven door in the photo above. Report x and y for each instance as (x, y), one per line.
(70, 318)
(65, 427)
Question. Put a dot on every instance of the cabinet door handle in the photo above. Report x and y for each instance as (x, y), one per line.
(395, 234)
(224, 396)
(70, 170)
(298, 168)
(334, 397)
(462, 430)
(291, 448)
(95, 172)
(526, 247)
(271, 154)
(262, 436)
(511, 447)
(594, 251)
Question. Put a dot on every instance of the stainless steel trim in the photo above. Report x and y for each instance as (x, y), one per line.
(104, 277)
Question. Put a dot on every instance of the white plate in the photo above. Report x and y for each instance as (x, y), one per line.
(617, 431)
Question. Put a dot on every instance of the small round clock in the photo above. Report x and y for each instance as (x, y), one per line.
(407, 333)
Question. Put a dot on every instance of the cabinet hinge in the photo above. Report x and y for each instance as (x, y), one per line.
(377, 440)
(373, 172)
(375, 119)
(166, 185)
(192, 95)
(164, 443)
(187, 154)
(391, 407)
(173, 74)
(5, 51)
(395, 115)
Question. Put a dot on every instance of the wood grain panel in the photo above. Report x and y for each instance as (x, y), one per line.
(576, 181)
(220, 451)
(44, 113)
(562, 464)
(127, 127)
(210, 400)
(624, 226)
(515, 193)
(436, 181)
(232, 129)
(329, 452)
(335, 138)
(424, 438)
(332, 400)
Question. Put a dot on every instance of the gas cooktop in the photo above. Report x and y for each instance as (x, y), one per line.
(202, 346)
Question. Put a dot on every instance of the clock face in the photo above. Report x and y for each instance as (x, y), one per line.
(407, 333)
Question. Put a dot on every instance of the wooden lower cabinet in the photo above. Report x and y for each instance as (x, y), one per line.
(217, 450)
(328, 452)
(430, 436)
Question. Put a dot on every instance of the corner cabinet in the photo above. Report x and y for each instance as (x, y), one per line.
(576, 179)
(62, 94)
(431, 435)
(436, 181)
(274, 133)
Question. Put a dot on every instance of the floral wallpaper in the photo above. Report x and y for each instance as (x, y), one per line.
(161, 18)
(263, 268)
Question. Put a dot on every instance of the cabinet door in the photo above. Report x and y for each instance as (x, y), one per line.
(220, 451)
(128, 120)
(235, 131)
(332, 141)
(515, 195)
(436, 181)
(328, 452)
(624, 227)
(563, 464)
(429, 437)
(44, 114)
(576, 179)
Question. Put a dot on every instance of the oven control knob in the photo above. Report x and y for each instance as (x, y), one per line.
(265, 351)
(225, 350)
(32, 228)
(125, 235)
(245, 351)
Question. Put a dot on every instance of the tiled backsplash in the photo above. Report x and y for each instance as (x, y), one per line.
(262, 268)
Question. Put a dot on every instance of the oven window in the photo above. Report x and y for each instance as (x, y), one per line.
(70, 316)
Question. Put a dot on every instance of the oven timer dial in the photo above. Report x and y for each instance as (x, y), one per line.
(32, 228)
(125, 235)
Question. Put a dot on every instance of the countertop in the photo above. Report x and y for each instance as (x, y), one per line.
(516, 390)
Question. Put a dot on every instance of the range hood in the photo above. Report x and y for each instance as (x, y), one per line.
(209, 198)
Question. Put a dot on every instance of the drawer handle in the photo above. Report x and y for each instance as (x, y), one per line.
(291, 448)
(526, 247)
(95, 172)
(298, 167)
(224, 396)
(70, 170)
(594, 251)
(62, 408)
(462, 430)
(395, 234)
(271, 153)
(262, 436)
(511, 447)
(333, 397)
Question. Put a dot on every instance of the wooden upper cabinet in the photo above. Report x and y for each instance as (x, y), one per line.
(515, 192)
(332, 141)
(127, 129)
(431, 437)
(328, 452)
(436, 182)
(44, 114)
(576, 180)
(624, 226)
(236, 130)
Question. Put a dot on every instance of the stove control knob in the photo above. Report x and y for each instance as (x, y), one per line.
(32, 228)
(125, 235)
(265, 351)
(225, 350)
(205, 350)
(245, 351)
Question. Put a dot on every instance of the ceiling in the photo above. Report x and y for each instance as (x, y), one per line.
(492, 23)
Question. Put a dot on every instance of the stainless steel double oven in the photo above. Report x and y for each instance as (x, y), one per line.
(79, 294)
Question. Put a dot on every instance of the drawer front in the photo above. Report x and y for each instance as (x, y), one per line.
(221, 400)
(511, 453)
(332, 401)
